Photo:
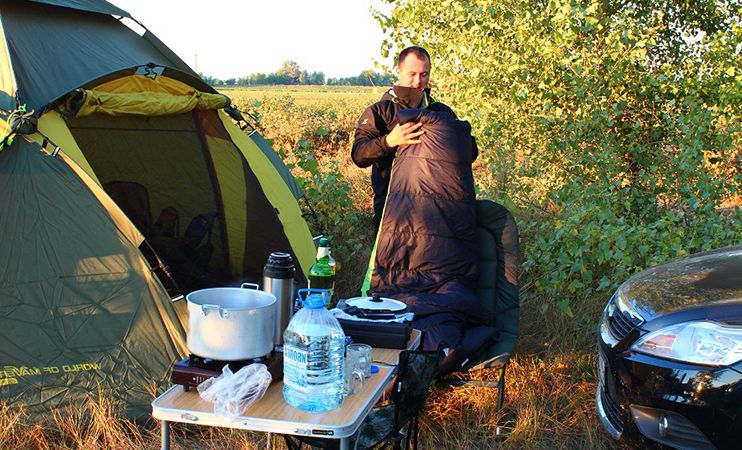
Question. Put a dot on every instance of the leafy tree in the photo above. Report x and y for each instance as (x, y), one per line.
(303, 77)
(317, 78)
(365, 78)
(618, 121)
(290, 72)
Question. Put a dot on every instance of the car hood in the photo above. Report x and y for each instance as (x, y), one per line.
(702, 279)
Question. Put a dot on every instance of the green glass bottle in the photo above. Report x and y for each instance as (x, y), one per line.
(321, 275)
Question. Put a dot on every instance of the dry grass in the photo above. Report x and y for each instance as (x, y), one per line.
(549, 392)
(96, 425)
(550, 383)
(548, 405)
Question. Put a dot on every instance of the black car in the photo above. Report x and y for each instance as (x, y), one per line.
(670, 355)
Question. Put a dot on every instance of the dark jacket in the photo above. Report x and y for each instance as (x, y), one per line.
(427, 248)
(370, 147)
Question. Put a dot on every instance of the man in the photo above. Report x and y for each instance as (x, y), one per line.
(379, 134)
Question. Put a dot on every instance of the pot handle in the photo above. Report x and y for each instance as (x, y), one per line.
(250, 286)
(222, 312)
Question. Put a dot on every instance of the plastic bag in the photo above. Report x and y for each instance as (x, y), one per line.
(232, 393)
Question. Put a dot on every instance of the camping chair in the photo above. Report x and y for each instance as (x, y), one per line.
(383, 428)
(498, 292)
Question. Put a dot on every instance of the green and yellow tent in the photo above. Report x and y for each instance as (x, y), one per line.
(124, 185)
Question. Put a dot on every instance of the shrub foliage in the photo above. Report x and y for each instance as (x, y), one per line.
(314, 139)
(612, 127)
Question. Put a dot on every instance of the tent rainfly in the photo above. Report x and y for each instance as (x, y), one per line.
(124, 184)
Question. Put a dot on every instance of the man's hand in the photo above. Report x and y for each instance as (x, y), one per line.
(406, 134)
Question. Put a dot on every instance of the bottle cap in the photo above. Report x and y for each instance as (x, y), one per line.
(279, 265)
(280, 259)
(324, 242)
(316, 300)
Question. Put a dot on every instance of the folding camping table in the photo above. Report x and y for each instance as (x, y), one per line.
(272, 414)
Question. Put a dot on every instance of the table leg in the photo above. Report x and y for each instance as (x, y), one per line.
(165, 435)
(345, 443)
(268, 441)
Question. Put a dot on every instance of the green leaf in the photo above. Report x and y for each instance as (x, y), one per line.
(564, 306)
(311, 166)
(605, 283)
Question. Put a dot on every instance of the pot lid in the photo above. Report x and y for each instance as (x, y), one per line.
(376, 303)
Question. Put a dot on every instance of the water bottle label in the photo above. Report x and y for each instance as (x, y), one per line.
(295, 368)
(302, 374)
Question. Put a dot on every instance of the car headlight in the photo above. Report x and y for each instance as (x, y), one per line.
(703, 342)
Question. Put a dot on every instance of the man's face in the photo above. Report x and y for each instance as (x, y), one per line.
(414, 72)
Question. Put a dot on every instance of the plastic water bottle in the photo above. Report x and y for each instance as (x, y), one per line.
(313, 348)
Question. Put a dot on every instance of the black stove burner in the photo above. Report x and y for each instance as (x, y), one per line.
(207, 363)
(194, 370)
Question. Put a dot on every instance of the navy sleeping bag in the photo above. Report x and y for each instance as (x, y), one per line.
(426, 249)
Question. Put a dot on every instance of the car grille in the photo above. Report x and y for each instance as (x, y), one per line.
(621, 323)
(612, 410)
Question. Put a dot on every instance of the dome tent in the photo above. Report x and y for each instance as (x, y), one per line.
(124, 185)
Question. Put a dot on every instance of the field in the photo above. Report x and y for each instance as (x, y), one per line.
(551, 381)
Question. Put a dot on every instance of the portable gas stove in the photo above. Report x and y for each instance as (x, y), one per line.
(194, 370)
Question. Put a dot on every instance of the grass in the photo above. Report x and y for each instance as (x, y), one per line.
(311, 93)
(550, 383)
(550, 388)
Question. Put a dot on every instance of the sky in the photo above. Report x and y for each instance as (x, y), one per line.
(233, 38)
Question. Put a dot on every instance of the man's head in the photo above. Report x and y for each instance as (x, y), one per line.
(413, 68)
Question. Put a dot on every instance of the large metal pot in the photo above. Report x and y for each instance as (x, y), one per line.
(230, 324)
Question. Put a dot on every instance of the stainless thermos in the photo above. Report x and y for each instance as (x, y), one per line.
(279, 277)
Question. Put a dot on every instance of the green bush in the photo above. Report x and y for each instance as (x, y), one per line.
(314, 140)
(610, 132)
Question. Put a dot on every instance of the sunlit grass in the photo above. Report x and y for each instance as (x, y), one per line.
(305, 95)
